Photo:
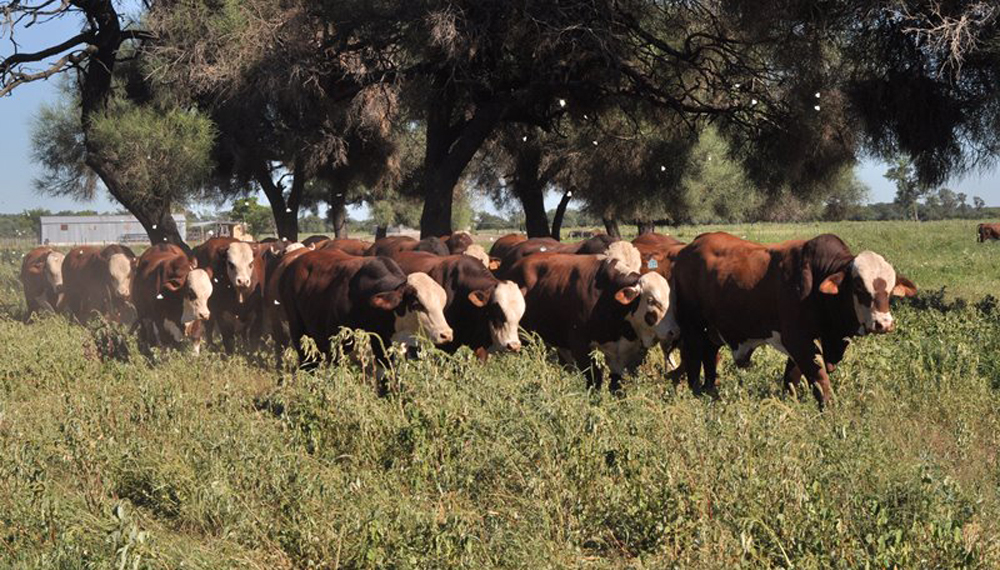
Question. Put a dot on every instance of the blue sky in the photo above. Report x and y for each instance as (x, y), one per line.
(18, 110)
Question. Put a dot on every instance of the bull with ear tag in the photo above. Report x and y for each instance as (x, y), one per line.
(805, 299)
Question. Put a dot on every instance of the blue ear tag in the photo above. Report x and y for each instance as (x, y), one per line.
(652, 264)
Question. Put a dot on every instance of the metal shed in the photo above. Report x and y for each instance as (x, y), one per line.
(77, 230)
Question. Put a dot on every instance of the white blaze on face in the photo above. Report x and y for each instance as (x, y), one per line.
(654, 319)
(628, 257)
(239, 267)
(477, 251)
(509, 298)
(425, 313)
(196, 293)
(873, 280)
(53, 271)
(120, 268)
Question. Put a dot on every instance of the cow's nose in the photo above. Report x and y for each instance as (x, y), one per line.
(514, 346)
(445, 336)
(204, 316)
(242, 282)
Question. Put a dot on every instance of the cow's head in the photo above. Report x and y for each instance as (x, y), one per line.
(196, 288)
(654, 316)
(419, 307)
(53, 271)
(239, 258)
(120, 271)
(871, 280)
(504, 306)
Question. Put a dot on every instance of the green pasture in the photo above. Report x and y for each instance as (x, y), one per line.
(111, 460)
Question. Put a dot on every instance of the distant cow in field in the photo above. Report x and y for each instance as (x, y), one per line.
(483, 311)
(988, 232)
(99, 279)
(237, 270)
(171, 296)
(41, 279)
(324, 291)
(394, 244)
(577, 303)
(349, 246)
(803, 298)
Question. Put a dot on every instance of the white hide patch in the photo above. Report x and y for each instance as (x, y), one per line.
(477, 251)
(429, 318)
(196, 293)
(621, 354)
(239, 266)
(53, 270)
(628, 257)
(742, 353)
(120, 268)
(655, 303)
(867, 267)
(509, 298)
(292, 247)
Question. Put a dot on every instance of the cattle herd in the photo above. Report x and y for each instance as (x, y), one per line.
(805, 298)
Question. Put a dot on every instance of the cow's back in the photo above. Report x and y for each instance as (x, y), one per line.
(347, 245)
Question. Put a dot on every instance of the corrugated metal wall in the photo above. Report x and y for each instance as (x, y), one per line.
(64, 230)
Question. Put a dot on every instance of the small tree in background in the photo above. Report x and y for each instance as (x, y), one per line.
(909, 189)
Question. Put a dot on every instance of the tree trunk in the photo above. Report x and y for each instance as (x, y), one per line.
(557, 219)
(338, 212)
(611, 226)
(381, 231)
(645, 227)
(448, 150)
(285, 211)
(154, 215)
(530, 191)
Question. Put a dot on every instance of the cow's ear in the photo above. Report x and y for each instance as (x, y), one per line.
(494, 263)
(387, 300)
(524, 291)
(904, 287)
(831, 285)
(626, 295)
(481, 297)
(194, 263)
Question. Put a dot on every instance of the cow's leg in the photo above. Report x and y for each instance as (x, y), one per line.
(808, 358)
(792, 378)
(691, 350)
(710, 361)
(227, 332)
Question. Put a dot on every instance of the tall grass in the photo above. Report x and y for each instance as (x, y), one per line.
(110, 460)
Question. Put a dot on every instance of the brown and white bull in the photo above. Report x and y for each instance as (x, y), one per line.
(324, 291)
(804, 298)
(171, 296)
(41, 279)
(578, 303)
(237, 270)
(99, 279)
(483, 311)
(657, 253)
